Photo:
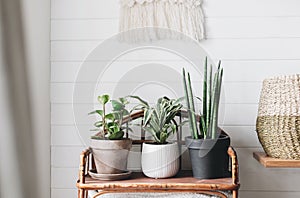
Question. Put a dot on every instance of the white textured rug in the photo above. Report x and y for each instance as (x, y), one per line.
(151, 195)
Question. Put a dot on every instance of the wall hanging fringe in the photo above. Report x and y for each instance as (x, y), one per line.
(183, 16)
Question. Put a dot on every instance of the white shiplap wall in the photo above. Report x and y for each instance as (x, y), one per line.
(255, 39)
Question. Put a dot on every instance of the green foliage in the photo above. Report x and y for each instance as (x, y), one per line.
(103, 99)
(208, 124)
(110, 124)
(190, 104)
(158, 119)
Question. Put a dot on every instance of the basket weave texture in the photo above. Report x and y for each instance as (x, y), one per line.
(278, 121)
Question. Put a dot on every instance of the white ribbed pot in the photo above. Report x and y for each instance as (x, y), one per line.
(160, 160)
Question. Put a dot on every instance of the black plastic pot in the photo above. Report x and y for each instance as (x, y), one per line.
(209, 157)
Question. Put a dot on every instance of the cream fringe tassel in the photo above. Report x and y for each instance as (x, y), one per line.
(184, 16)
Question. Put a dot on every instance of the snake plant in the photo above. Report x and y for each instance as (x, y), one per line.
(208, 125)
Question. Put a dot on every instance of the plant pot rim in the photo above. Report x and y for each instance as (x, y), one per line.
(221, 136)
(124, 139)
(207, 143)
(111, 144)
(157, 144)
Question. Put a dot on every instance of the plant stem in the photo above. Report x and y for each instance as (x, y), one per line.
(209, 103)
(217, 102)
(103, 120)
(191, 100)
(188, 90)
(187, 100)
(204, 102)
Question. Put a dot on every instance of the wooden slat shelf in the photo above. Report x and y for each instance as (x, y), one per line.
(183, 180)
(270, 162)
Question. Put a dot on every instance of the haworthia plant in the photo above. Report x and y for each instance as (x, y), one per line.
(208, 125)
(158, 119)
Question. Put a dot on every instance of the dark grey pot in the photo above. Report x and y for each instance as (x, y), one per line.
(209, 157)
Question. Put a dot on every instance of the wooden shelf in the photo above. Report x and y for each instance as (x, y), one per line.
(270, 162)
(183, 180)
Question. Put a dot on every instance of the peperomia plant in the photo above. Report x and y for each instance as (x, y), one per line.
(210, 103)
(110, 124)
(158, 119)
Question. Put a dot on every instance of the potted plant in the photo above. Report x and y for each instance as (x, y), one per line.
(207, 144)
(109, 147)
(160, 158)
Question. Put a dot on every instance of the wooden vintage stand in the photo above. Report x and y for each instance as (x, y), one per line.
(183, 182)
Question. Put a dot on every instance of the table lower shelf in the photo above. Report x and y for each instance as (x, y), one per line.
(183, 181)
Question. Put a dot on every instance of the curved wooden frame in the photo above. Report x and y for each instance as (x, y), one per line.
(144, 184)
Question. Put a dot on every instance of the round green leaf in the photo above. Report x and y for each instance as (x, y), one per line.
(117, 106)
(103, 99)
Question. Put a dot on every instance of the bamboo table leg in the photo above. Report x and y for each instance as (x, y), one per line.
(235, 194)
(82, 193)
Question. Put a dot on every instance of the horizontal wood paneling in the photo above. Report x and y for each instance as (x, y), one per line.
(240, 49)
(61, 9)
(83, 29)
(63, 193)
(242, 136)
(241, 71)
(234, 71)
(84, 9)
(252, 27)
(253, 8)
(68, 135)
(235, 114)
(253, 49)
(248, 27)
(66, 156)
(64, 178)
(234, 92)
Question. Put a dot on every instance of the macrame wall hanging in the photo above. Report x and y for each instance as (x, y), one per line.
(183, 16)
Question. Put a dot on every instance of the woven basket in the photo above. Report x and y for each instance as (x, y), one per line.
(278, 121)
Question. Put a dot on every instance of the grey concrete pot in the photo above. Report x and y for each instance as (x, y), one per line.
(111, 155)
